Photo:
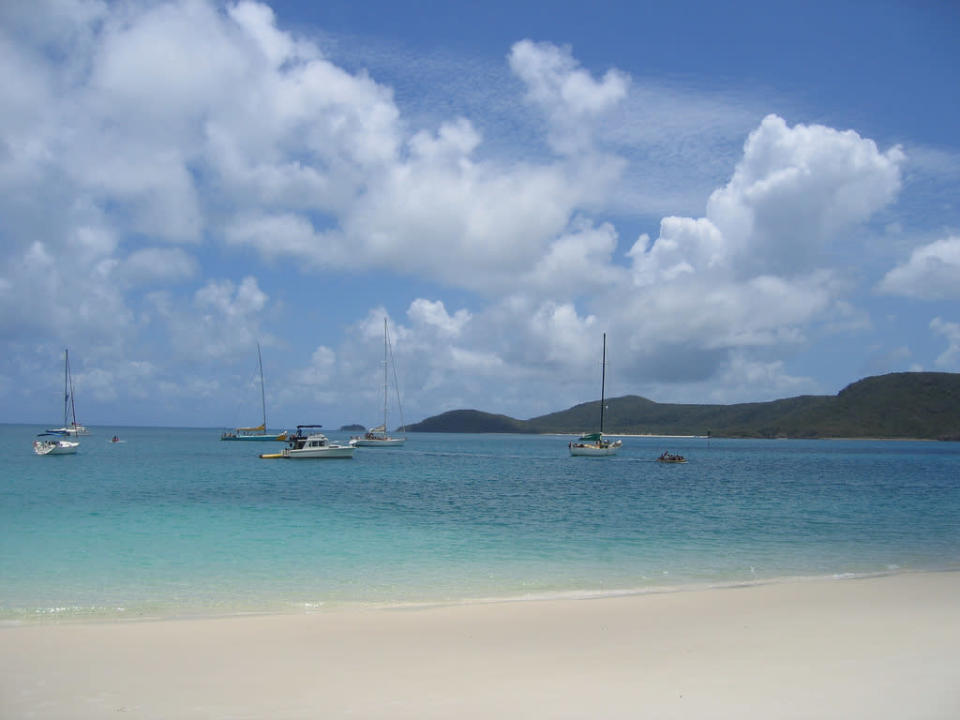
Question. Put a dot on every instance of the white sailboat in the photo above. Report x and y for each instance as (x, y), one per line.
(595, 444)
(70, 424)
(55, 440)
(259, 432)
(378, 436)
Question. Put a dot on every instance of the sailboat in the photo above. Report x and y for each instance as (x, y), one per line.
(259, 432)
(595, 444)
(54, 441)
(377, 436)
(70, 424)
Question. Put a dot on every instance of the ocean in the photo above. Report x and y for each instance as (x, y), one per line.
(176, 523)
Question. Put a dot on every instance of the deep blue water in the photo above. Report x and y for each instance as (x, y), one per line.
(173, 521)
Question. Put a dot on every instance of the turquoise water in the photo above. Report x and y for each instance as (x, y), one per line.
(175, 522)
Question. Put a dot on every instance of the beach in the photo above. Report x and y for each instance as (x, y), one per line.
(876, 647)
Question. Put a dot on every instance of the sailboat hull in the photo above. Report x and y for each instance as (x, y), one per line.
(371, 442)
(233, 437)
(595, 450)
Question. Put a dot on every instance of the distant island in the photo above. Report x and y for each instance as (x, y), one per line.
(352, 428)
(909, 405)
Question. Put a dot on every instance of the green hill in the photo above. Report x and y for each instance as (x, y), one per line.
(899, 405)
(470, 421)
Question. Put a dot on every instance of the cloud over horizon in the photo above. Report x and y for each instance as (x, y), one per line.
(158, 162)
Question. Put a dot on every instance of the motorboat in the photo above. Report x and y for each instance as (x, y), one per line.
(668, 457)
(54, 444)
(311, 444)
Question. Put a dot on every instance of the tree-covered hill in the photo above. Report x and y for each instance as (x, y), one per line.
(898, 405)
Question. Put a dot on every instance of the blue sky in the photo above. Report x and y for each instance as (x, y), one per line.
(752, 200)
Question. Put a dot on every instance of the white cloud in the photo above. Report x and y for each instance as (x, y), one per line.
(746, 275)
(222, 320)
(742, 378)
(949, 359)
(157, 266)
(181, 122)
(568, 95)
(433, 315)
(931, 273)
(795, 190)
(577, 263)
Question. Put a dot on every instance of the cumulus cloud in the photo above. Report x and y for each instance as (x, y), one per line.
(793, 192)
(135, 137)
(221, 320)
(157, 266)
(747, 274)
(949, 359)
(931, 273)
(434, 315)
(567, 94)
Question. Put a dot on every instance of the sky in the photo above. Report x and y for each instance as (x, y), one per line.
(752, 200)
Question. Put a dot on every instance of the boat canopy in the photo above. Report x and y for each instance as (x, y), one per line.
(592, 437)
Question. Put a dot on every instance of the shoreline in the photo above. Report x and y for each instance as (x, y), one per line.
(101, 614)
(879, 646)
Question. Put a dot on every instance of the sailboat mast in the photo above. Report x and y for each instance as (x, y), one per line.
(603, 380)
(396, 385)
(66, 386)
(385, 375)
(263, 395)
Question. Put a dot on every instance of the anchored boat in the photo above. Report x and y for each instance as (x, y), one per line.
(260, 431)
(378, 436)
(56, 441)
(595, 444)
(70, 425)
(311, 444)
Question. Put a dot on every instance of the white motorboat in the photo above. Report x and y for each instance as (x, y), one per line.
(53, 445)
(378, 436)
(311, 445)
(595, 444)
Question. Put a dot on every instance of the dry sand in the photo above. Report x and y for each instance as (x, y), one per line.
(883, 647)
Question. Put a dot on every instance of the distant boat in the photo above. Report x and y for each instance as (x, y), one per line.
(70, 424)
(311, 445)
(54, 444)
(259, 432)
(378, 436)
(668, 457)
(595, 444)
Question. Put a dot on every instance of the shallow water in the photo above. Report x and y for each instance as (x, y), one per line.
(175, 522)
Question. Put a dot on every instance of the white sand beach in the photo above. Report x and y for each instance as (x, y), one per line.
(881, 647)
